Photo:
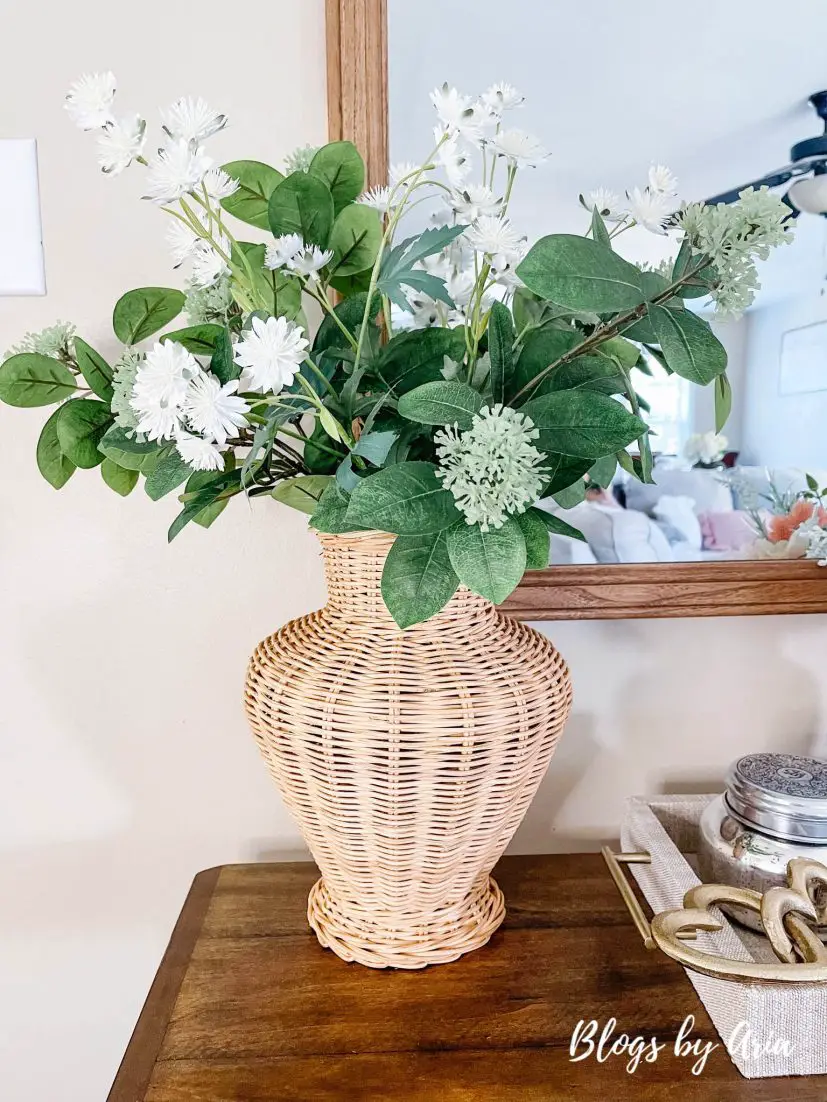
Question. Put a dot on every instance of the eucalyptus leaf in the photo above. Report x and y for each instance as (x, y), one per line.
(222, 362)
(340, 166)
(598, 228)
(117, 478)
(563, 471)
(140, 313)
(55, 467)
(417, 357)
(81, 425)
(170, 472)
(571, 495)
(723, 401)
(689, 346)
(537, 542)
(256, 182)
(560, 527)
(29, 379)
(330, 514)
(198, 339)
(303, 492)
(490, 563)
(355, 240)
(95, 370)
(582, 423)
(500, 350)
(581, 274)
(603, 471)
(407, 499)
(302, 204)
(127, 451)
(418, 579)
(441, 403)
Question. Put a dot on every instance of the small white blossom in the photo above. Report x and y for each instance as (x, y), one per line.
(124, 371)
(457, 113)
(607, 203)
(492, 469)
(214, 411)
(519, 148)
(379, 198)
(219, 184)
(176, 171)
(403, 171)
(207, 304)
(650, 209)
(208, 266)
(161, 383)
(816, 537)
(300, 159)
(201, 454)
(271, 352)
(55, 341)
(662, 180)
(502, 97)
(181, 240)
(191, 119)
(279, 252)
(309, 261)
(89, 100)
(456, 163)
(705, 447)
(495, 236)
(475, 201)
(120, 142)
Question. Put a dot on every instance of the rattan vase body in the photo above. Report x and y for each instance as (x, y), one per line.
(408, 758)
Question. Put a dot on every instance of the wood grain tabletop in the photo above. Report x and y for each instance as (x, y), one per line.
(247, 1007)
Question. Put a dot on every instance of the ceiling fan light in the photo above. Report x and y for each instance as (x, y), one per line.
(810, 195)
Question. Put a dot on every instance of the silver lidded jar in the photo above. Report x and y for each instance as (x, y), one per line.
(774, 809)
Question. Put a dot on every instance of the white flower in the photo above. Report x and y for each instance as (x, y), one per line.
(192, 119)
(457, 164)
(405, 170)
(300, 159)
(662, 180)
(201, 454)
(213, 410)
(457, 113)
(272, 352)
(474, 202)
(283, 249)
(816, 537)
(120, 142)
(495, 236)
(207, 264)
(176, 171)
(161, 383)
(705, 447)
(650, 209)
(124, 371)
(89, 100)
(502, 97)
(56, 341)
(219, 184)
(378, 198)
(607, 203)
(493, 468)
(518, 147)
(181, 240)
(309, 261)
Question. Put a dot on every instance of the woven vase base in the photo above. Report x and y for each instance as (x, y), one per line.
(438, 938)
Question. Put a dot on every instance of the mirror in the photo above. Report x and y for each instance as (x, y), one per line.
(609, 97)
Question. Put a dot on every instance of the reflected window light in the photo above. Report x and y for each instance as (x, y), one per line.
(670, 401)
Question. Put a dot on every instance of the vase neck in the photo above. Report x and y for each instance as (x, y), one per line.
(353, 565)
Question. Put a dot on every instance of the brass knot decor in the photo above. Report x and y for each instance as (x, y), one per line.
(790, 916)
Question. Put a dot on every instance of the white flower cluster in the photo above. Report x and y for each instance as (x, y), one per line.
(89, 103)
(56, 341)
(291, 251)
(652, 206)
(493, 468)
(816, 543)
(705, 447)
(733, 236)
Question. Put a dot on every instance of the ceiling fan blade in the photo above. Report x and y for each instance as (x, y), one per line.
(772, 179)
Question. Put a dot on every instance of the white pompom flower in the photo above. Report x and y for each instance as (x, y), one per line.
(160, 388)
(495, 236)
(281, 251)
(651, 209)
(120, 142)
(271, 353)
(520, 149)
(608, 204)
(219, 184)
(200, 454)
(309, 261)
(502, 97)
(663, 180)
(89, 100)
(192, 119)
(208, 265)
(214, 411)
(475, 201)
(378, 198)
(457, 113)
(176, 171)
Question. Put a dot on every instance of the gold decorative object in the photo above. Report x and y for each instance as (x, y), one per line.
(789, 916)
(408, 758)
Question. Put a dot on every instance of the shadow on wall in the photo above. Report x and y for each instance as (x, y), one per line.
(666, 706)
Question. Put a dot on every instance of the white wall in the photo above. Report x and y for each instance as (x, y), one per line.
(125, 763)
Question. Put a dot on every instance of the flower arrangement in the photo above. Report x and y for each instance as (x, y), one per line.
(459, 374)
(705, 449)
(789, 524)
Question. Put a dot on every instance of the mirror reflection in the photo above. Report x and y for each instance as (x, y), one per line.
(726, 113)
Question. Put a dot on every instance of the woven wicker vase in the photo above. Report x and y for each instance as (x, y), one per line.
(408, 758)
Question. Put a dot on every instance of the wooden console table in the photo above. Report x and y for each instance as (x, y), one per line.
(247, 1007)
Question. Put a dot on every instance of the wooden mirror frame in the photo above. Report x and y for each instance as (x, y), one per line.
(357, 88)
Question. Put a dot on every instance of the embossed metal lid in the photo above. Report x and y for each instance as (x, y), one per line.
(782, 795)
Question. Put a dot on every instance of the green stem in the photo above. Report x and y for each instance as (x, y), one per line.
(315, 444)
(321, 377)
(329, 310)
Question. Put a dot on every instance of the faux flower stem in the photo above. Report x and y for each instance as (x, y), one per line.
(323, 301)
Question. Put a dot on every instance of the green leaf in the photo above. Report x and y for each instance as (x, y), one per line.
(222, 364)
(603, 471)
(80, 428)
(581, 274)
(340, 166)
(397, 268)
(537, 542)
(140, 313)
(350, 313)
(417, 357)
(303, 492)
(407, 499)
(302, 204)
(599, 232)
(441, 403)
(355, 240)
(170, 472)
(51, 462)
(374, 446)
(418, 579)
(593, 372)
(583, 423)
(500, 349)
(207, 517)
(620, 349)
(30, 379)
(559, 526)
(723, 400)
(563, 471)
(331, 513)
(489, 563)
(542, 348)
(688, 344)
(256, 183)
(210, 490)
(129, 452)
(198, 339)
(572, 495)
(95, 370)
(118, 478)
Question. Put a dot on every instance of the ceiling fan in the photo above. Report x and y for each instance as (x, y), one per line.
(807, 167)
